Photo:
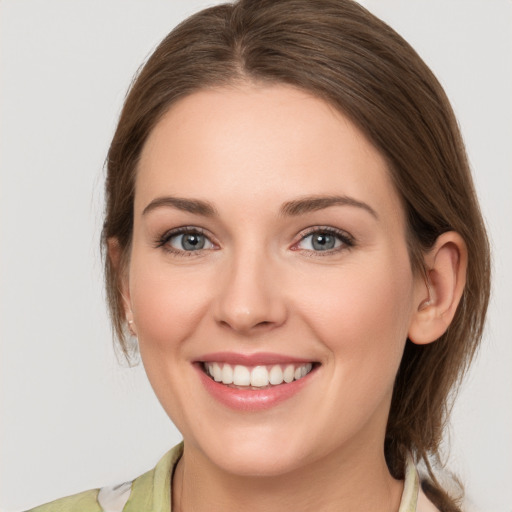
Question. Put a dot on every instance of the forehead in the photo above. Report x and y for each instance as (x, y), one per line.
(251, 144)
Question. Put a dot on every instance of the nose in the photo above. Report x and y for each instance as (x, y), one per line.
(250, 299)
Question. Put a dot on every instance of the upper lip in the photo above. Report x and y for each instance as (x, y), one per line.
(256, 359)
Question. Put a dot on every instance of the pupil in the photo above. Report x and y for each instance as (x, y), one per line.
(323, 242)
(193, 242)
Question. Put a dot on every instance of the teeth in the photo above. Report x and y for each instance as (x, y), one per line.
(241, 376)
(217, 373)
(227, 374)
(275, 375)
(257, 376)
(289, 373)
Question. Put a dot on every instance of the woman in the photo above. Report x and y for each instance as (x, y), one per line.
(293, 237)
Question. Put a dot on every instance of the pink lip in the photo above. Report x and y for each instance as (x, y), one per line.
(257, 359)
(252, 400)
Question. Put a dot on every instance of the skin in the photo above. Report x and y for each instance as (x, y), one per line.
(259, 286)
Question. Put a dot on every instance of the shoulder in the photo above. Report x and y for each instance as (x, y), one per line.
(106, 499)
(150, 491)
(84, 502)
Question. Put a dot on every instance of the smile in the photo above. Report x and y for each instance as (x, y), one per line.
(255, 382)
(256, 377)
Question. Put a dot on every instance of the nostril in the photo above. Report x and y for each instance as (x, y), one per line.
(257, 326)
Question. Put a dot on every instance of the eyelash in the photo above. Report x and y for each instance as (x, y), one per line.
(163, 241)
(347, 241)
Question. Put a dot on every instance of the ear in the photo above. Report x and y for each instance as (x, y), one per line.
(115, 255)
(436, 300)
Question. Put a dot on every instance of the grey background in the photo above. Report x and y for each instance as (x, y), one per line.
(71, 416)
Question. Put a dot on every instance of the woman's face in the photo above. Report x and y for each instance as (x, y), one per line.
(269, 242)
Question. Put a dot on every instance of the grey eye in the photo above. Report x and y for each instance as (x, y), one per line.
(320, 241)
(190, 242)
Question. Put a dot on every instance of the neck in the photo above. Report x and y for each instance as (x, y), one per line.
(337, 482)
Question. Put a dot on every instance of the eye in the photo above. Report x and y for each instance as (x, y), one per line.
(185, 240)
(325, 239)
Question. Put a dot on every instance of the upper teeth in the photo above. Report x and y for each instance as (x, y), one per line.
(256, 376)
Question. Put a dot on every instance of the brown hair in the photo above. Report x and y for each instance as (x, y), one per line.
(338, 51)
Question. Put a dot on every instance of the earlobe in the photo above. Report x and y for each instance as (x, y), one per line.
(115, 254)
(438, 297)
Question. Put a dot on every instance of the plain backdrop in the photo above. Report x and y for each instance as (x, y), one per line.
(72, 417)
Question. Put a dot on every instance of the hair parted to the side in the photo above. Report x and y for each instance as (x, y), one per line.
(338, 51)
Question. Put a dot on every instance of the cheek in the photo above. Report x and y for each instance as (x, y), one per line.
(167, 305)
(363, 315)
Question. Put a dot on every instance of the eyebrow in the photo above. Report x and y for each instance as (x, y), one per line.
(187, 205)
(290, 208)
(313, 203)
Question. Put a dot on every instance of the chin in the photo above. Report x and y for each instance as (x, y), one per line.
(260, 461)
(261, 451)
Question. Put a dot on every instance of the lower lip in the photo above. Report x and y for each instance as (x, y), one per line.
(251, 399)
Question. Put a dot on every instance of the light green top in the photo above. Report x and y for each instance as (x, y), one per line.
(151, 492)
